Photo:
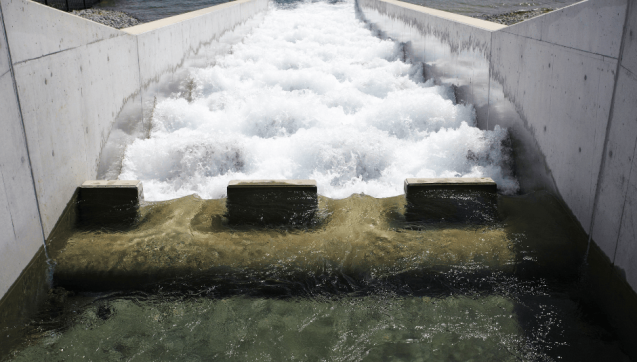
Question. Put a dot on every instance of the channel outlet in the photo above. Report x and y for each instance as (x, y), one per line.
(272, 202)
(109, 203)
(472, 200)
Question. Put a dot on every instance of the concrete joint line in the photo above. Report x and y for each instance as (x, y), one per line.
(60, 51)
(44, 56)
(629, 72)
(4, 188)
(611, 112)
(563, 46)
(621, 218)
(24, 131)
(141, 85)
(489, 89)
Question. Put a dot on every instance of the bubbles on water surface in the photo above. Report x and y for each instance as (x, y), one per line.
(311, 93)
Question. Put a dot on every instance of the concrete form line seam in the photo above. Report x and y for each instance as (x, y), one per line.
(45, 55)
(24, 131)
(141, 83)
(621, 218)
(489, 90)
(64, 50)
(630, 72)
(611, 113)
(559, 45)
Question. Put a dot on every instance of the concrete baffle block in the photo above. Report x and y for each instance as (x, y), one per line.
(272, 202)
(472, 200)
(109, 203)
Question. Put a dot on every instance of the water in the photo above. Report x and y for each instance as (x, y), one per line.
(490, 7)
(312, 94)
(150, 10)
(363, 285)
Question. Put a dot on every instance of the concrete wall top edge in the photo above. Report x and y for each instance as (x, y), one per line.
(47, 30)
(593, 26)
(479, 23)
(153, 25)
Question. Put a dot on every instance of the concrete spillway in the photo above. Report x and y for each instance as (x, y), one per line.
(563, 84)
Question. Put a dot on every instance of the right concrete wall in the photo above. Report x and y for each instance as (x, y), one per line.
(565, 86)
(615, 214)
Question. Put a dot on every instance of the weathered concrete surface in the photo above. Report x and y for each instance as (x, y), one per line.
(75, 79)
(21, 235)
(555, 83)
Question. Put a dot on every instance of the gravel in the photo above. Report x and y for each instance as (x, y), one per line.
(115, 19)
(515, 16)
(119, 20)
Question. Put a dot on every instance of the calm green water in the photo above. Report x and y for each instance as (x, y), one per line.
(391, 323)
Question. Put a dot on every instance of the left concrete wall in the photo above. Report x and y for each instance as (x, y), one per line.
(21, 233)
(73, 77)
(64, 83)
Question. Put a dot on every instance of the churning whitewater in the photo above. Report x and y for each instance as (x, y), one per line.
(312, 94)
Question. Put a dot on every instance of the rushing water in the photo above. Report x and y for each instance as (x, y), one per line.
(149, 10)
(312, 94)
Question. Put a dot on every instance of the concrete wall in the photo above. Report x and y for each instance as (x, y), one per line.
(73, 77)
(563, 83)
(559, 71)
(615, 215)
(21, 235)
(64, 82)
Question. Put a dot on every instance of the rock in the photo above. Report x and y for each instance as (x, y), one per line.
(115, 19)
(513, 17)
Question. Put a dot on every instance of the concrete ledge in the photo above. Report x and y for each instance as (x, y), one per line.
(479, 23)
(102, 184)
(272, 202)
(470, 200)
(109, 203)
(486, 182)
(271, 183)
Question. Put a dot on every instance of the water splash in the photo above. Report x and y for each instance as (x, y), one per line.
(311, 93)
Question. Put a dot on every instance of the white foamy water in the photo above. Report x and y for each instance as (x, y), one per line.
(311, 93)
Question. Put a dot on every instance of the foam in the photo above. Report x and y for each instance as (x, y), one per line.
(311, 93)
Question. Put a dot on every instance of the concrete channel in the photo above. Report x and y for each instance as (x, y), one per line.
(564, 83)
